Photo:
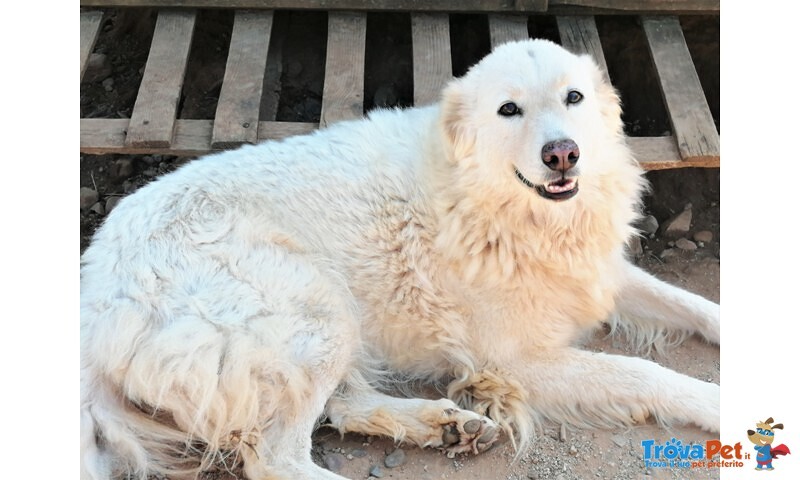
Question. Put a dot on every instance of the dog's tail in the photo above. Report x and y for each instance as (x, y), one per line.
(118, 438)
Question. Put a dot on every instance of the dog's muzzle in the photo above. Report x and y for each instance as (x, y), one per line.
(562, 189)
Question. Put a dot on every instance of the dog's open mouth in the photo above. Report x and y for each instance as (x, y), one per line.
(558, 190)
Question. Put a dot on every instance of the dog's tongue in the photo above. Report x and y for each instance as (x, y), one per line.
(560, 186)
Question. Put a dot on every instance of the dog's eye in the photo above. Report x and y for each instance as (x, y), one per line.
(509, 109)
(574, 97)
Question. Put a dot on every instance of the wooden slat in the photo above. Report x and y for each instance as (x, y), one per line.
(153, 118)
(507, 28)
(341, 5)
(552, 6)
(691, 119)
(90, 27)
(192, 137)
(343, 92)
(236, 119)
(433, 68)
(579, 35)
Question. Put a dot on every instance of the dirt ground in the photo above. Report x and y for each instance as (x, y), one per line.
(556, 453)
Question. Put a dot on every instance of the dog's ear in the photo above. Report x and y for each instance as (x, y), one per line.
(607, 96)
(454, 121)
(769, 420)
(779, 426)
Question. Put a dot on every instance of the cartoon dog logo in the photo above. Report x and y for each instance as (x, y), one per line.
(762, 438)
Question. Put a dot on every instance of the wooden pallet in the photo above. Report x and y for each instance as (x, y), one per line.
(154, 128)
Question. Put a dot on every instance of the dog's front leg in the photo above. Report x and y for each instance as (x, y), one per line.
(651, 305)
(597, 389)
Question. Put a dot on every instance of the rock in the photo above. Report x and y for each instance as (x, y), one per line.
(678, 225)
(619, 440)
(88, 197)
(395, 459)
(562, 434)
(635, 249)
(97, 68)
(668, 253)
(572, 450)
(121, 169)
(98, 209)
(703, 236)
(108, 84)
(334, 461)
(376, 471)
(685, 244)
(112, 202)
(359, 453)
(385, 96)
(533, 474)
(648, 225)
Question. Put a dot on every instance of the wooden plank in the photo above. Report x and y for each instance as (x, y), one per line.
(192, 137)
(433, 67)
(236, 119)
(659, 153)
(153, 119)
(617, 7)
(345, 5)
(343, 92)
(579, 35)
(507, 28)
(90, 27)
(692, 123)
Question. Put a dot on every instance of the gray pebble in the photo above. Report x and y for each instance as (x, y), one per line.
(395, 459)
(573, 451)
(703, 236)
(533, 474)
(648, 225)
(112, 202)
(108, 84)
(376, 471)
(685, 244)
(359, 453)
(680, 224)
(98, 209)
(334, 461)
(88, 197)
(121, 169)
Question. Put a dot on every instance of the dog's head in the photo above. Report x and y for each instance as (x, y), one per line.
(534, 119)
(764, 433)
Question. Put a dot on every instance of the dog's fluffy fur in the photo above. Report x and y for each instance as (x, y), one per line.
(227, 306)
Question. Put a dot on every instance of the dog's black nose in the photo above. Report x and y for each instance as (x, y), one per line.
(561, 154)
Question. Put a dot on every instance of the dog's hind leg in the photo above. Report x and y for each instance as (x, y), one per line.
(601, 390)
(649, 307)
(426, 423)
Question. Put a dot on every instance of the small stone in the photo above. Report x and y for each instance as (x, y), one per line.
(333, 461)
(668, 253)
(112, 202)
(150, 172)
(648, 225)
(671, 244)
(108, 84)
(533, 474)
(121, 169)
(561, 476)
(680, 224)
(619, 440)
(700, 244)
(97, 68)
(395, 459)
(349, 456)
(358, 453)
(376, 471)
(88, 197)
(703, 236)
(572, 450)
(685, 244)
(562, 434)
(98, 209)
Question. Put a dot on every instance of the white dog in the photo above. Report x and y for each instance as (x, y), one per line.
(228, 306)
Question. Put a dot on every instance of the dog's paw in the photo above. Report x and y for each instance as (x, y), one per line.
(467, 431)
